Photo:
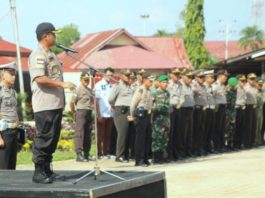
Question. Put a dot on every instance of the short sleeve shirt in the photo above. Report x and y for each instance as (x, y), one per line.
(45, 63)
(83, 98)
(102, 92)
(8, 104)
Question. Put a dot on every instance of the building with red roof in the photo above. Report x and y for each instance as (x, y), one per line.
(120, 50)
(8, 54)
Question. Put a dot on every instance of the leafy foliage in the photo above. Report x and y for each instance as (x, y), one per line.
(251, 37)
(195, 33)
(67, 37)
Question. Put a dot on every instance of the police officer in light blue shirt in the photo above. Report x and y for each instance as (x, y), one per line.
(104, 113)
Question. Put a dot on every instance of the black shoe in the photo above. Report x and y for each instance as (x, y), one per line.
(80, 158)
(121, 159)
(141, 163)
(49, 172)
(40, 176)
(86, 156)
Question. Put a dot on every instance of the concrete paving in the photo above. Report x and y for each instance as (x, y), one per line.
(232, 175)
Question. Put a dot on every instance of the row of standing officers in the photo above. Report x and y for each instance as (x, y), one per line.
(187, 114)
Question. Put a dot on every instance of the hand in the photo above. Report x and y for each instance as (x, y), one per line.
(68, 85)
(130, 118)
(2, 143)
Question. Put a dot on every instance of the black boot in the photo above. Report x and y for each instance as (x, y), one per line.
(156, 158)
(80, 157)
(49, 172)
(40, 176)
(86, 156)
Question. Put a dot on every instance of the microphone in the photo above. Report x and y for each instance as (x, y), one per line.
(66, 49)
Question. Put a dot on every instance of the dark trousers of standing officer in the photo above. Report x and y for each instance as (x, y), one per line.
(174, 134)
(240, 127)
(199, 116)
(143, 138)
(220, 124)
(104, 132)
(129, 148)
(82, 136)
(251, 123)
(209, 130)
(48, 125)
(122, 125)
(186, 129)
(8, 154)
(113, 140)
(263, 126)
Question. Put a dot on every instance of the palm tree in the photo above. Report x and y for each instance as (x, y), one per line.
(251, 37)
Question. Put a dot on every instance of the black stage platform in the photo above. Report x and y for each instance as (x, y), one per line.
(138, 184)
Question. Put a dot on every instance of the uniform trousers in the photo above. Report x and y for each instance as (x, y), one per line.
(82, 136)
(48, 125)
(251, 125)
(209, 130)
(143, 138)
(8, 154)
(129, 147)
(199, 117)
(122, 125)
(258, 140)
(174, 134)
(186, 130)
(104, 132)
(220, 125)
(240, 127)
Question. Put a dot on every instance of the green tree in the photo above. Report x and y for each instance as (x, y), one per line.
(195, 33)
(251, 37)
(163, 33)
(67, 37)
(181, 28)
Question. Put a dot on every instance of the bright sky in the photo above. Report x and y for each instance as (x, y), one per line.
(99, 15)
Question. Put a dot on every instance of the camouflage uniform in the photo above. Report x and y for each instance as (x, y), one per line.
(230, 116)
(160, 121)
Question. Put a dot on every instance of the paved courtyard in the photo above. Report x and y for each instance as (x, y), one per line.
(236, 174)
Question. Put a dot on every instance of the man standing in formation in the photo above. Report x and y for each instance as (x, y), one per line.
(160, 121)
(120, 99)
(81, 105)
(104, 112)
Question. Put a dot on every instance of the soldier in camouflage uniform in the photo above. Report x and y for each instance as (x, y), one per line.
(160, 121)
(230, 112)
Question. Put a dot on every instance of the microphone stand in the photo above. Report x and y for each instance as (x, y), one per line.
(97, 169)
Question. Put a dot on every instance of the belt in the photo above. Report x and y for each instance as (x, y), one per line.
(176, 106)
(210, 106)
(254, 106)
(187, 107)
(243, 107)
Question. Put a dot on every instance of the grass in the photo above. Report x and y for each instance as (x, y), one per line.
(25, 157)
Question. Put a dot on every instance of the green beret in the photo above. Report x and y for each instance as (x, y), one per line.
(162, 78)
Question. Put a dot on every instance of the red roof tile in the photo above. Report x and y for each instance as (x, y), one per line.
(171, 47)
(8, 54)
(93, 42)
(129, 57)
(217, 49)
(6, 46)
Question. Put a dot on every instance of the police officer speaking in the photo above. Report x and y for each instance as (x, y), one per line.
(48, 101)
